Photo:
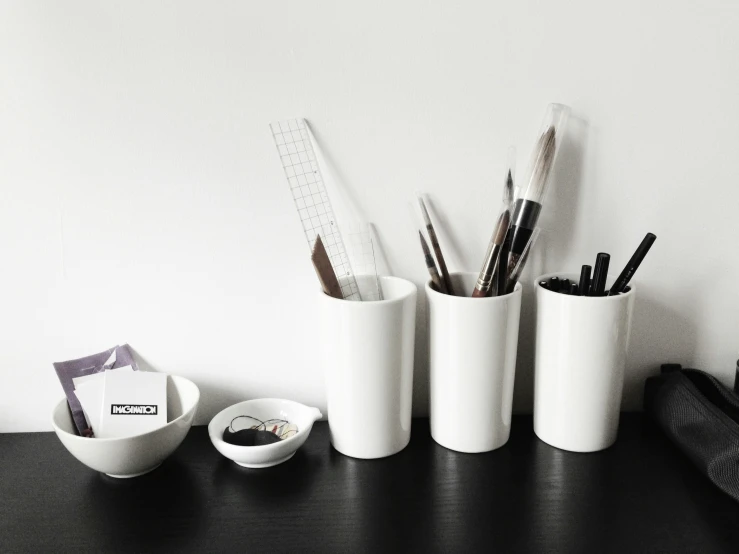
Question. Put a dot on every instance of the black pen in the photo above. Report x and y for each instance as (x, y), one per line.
(633, 264)
(573, 289)
(600, 274)
(584, 280)
(543, 284)
(564, 286)
(554, 284)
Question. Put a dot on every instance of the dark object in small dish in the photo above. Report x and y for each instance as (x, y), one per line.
(249, 437)
(258, 432)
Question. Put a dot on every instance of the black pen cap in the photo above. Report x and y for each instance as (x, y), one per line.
(554, 284)
(584, 280)
(600, 274)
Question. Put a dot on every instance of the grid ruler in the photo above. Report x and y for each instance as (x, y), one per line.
(311, 199)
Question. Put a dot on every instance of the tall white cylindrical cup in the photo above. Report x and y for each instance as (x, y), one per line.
(472, 359)
(367, 353)
(581, 347)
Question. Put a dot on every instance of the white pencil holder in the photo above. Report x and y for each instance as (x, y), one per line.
(367, 353)
(472, 358)
(581, 347)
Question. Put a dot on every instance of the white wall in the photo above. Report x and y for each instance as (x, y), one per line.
(141, 199)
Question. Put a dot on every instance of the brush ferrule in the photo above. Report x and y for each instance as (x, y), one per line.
(526, 213)
(524, 221)
(484, 283)
(485, 278)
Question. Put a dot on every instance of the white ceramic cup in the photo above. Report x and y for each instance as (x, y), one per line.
(581, 347)
(367, 353)
(472, 358)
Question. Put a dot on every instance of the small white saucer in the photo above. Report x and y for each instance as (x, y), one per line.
(264, 409)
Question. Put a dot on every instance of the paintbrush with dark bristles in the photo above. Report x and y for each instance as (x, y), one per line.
(484, 284)
(509, 193)
(435, 245)
(431, 266)
(509, 198)
(527, 208)
(516, 273)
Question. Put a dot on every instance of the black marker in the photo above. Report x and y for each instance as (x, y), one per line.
(633, 264)
(543, 284)
(573, 289)
(564, 286)
(554, 284)
(584, 280)
(600, 274)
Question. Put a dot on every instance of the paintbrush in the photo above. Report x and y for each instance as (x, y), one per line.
(508, 192)
(518, 269)
(527, 209)
(489, 264)
(431, 266)
(435, 245)
(509, 195)
(509, 199)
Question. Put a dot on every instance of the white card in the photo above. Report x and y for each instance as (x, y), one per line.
(90, 395)
(134, 402)
(89, 391)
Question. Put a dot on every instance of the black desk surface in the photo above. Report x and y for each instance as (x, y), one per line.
(640, 495)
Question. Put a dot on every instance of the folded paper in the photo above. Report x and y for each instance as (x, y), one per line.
(116, 357)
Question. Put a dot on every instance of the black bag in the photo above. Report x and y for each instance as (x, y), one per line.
(701, 416)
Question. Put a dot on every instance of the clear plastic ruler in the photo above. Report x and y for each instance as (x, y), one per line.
(311, 199)
(358, 237)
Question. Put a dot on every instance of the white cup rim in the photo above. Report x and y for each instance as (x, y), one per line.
(490, 299)
(576, 276)
(411, 290)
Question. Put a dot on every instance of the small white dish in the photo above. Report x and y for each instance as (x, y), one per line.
(264, 409)
(139, 454)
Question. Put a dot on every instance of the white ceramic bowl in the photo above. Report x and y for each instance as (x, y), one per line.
(132, 456)
(266, 455)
